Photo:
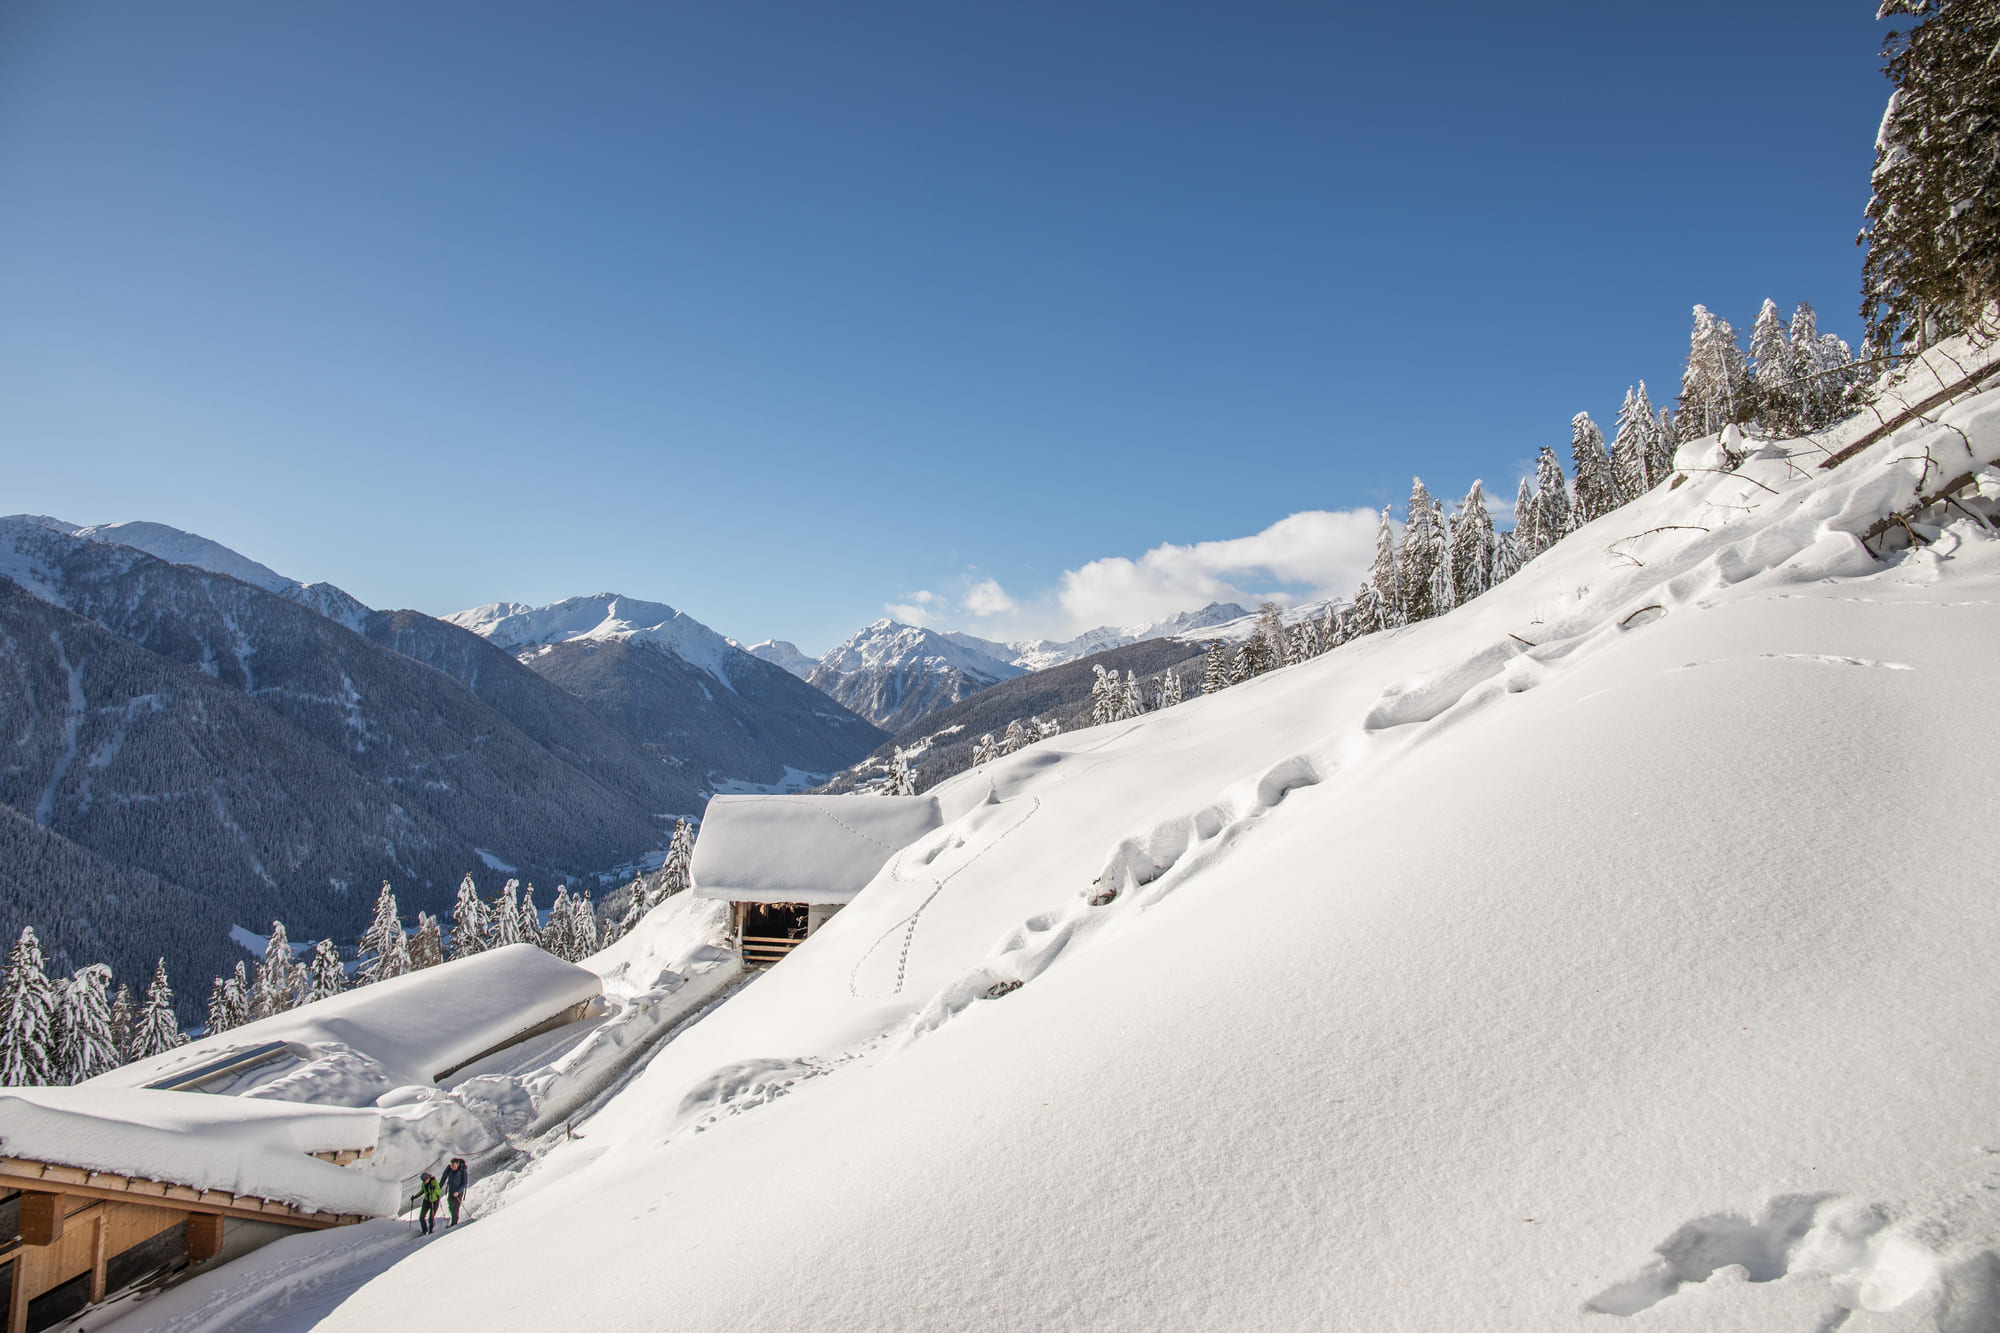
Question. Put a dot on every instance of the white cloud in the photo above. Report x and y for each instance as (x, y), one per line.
(923, 608)
(988, 598)
(1315, 553)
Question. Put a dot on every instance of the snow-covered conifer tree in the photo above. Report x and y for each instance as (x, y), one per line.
(677, 872)
(902, 780)
(1933, 232)
(468, 921)
(156, 1029)
(1384, 579)
(218, 1008)
(1421, 554)
(1550, 508)
(582, 927)
(1472, 546)
(240, 994)
(638, 901)
(1715, 386)
(986, 751)
(1132, 701)
(385, 950)
(1169, 692)
(1017, 736)
(1632, 452)
(27, 1017)
(1215, 673)
(1666, 440)
(1596, 492)
(555, 935)
(121, 1023)
(1103, 700)
(325, 976)
(427, 945)
(1771, 372)
(279, 978)
(86, 1049)
(503, 922)
(1046, 727)
(1823, 369)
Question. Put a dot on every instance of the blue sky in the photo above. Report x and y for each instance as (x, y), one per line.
(785, 313)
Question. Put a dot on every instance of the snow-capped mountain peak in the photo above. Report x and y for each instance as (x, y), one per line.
(605, 616)
(177, 546)
(782, 653)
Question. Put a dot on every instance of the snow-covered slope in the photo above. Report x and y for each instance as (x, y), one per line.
(177, 547)
(605, 617)
(1615, 946)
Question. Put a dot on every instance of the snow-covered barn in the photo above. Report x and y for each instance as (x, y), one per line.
(787, 863)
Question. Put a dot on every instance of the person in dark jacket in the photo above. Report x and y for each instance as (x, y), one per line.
(454, 1187)
(428, 1194)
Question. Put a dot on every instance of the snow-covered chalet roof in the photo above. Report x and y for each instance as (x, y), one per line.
(803, 849)
(244, 1145)
(416, 1026)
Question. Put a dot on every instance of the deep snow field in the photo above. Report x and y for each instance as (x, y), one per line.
(1615, 952)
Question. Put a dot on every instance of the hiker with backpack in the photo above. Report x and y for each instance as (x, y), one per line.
(429, 1191)
(454, 1187)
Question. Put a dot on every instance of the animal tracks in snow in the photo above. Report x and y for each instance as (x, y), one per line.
(1823, 659)
(1868, 1261)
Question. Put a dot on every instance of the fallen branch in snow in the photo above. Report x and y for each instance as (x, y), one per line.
(1518, 639)
(1641, 611)
(1943, 494)
(1730, 472)
(1916, 413)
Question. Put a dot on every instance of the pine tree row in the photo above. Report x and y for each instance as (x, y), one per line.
(60, 1031)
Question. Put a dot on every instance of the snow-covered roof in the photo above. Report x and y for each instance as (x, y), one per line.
(803, 849)
(415, 1026)
(243, 1145)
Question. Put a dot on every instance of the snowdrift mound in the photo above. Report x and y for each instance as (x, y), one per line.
(1613, 952)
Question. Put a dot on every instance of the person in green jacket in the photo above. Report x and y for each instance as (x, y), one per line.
(429, 1192)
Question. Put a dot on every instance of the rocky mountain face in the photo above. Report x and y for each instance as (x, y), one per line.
(894, 674)
(178, 547)
(897, 675)
(668, 682)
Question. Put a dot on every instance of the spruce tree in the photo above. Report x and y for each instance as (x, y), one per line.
(1551, 505)
(582, 927)
(1772, 371)
(279, 979)
(902, 779)
(1017, 736)
(1665, 440)
(156, 1029)
(427, 945)
(325, 977)
(1715, 386)
(555, 935)
(1384, 579)
(1632, 450)
(503, 922)
(1933, 228)
(86, 1048)
(638, 901)
(1596, 492)
(677, 871)
(237, 991)
(1214, 667)
(986, 751)
(122, 1014)
(385, 950)
(27, 1017)
(1472, 546)
(219, 1018)
(468, 920)
(1048, 727)
(1169, 692)
(1422, 553)
(1132, 701)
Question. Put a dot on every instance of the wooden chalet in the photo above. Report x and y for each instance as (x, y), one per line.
(787, 864)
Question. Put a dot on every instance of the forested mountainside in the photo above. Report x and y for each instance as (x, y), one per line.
(238, 745)
(752, 729)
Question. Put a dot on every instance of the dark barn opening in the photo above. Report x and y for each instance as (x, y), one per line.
(769, 931)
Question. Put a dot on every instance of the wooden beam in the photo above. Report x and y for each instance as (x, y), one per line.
(261, 1210)
(99, 1256)
(204, 1236)
(42, 1216)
